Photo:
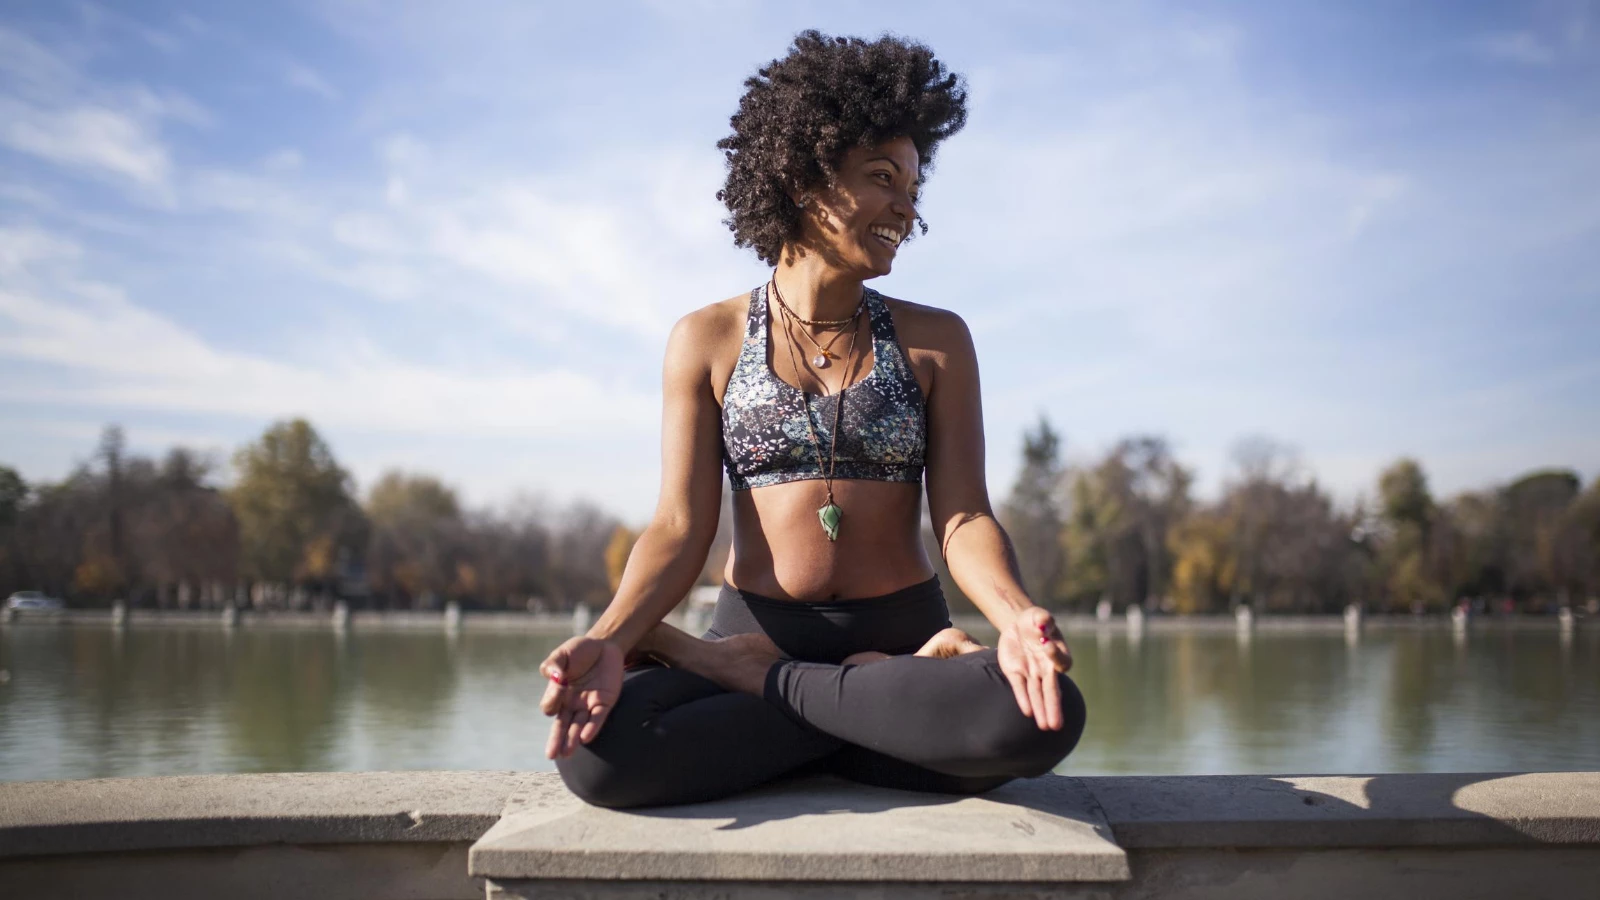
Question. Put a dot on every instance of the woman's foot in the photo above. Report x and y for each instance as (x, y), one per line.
(865, 656)
(738, 663)
(943, 645)
(949, 642)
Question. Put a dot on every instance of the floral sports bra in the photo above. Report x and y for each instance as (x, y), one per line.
(882, 430)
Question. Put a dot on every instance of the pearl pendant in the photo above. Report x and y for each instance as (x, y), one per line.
(820, 361)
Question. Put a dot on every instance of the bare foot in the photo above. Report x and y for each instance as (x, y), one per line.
(949, 642)
(865, 656)
(738, 663)
(943, 645)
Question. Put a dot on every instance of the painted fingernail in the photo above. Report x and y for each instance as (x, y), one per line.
(1043, 639)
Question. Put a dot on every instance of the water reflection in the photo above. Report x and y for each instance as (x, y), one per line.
(89, 702)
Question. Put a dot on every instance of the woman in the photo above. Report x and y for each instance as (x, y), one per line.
(827, 404)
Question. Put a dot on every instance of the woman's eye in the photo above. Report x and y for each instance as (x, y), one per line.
(884, 175)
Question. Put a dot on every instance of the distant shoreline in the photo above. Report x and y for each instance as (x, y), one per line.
(562, 623)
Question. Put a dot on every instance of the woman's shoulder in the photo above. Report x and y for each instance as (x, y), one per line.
(921, 325)
(705, 343)
(714, 322)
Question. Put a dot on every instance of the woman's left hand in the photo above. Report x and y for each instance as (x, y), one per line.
(1032, 653)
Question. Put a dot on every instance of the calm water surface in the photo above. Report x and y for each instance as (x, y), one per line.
(86, 702)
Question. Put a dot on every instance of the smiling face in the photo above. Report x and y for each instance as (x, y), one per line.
(858, 223)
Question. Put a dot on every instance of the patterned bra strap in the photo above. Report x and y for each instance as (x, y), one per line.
(878, 318)
(755, 321)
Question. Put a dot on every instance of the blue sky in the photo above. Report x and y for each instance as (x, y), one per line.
(455, 235)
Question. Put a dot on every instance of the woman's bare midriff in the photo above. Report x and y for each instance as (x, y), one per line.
(780, 551)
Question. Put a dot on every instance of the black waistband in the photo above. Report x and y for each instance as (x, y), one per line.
(827, 631)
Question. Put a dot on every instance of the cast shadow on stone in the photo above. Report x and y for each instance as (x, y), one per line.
(1289, 811)
(1236, 810)
(813, 794)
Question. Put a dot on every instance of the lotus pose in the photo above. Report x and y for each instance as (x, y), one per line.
(828, 405)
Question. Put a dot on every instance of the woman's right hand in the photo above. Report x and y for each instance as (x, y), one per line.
(585, 679)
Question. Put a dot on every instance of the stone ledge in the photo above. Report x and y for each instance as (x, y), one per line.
(1139, 812)
(815, 829)
(122, 814)
(1417, 810)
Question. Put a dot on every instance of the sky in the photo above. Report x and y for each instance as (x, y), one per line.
(455, 236)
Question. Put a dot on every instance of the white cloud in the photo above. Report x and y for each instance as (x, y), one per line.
(23, 248)
(98, 18)
(50, 110)
(1522, 47)
(301, 76)
(121, 355)
(626, 242)
(87, 137)
(283, 161)
(34, 67)
(1175, 218)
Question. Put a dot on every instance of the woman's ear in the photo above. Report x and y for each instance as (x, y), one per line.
(799, 195)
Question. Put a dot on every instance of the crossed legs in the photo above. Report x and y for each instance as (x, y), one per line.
(726, 717)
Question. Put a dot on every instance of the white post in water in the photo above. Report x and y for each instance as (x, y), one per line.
(581, 618)
(119, 613)
(1102, 610)
(230, 616)
(1135, 621)
(1352, 622)
(1244, 618)
(341, 616)
(1458, 617)
(1565, 619)
(452, 616)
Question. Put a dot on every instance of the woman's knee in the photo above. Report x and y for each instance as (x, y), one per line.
(599, 781)
(615, 769)
(1017, 744)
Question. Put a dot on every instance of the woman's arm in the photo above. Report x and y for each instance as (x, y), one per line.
(672, 549)
(976, 549)
(585, 672)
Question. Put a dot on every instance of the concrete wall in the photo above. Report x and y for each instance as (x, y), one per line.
(458, 835)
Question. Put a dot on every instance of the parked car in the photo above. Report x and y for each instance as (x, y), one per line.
(32, 600)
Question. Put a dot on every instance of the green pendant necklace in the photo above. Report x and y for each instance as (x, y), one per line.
(829, 513)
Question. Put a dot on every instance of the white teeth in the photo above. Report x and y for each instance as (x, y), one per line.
(890, 236)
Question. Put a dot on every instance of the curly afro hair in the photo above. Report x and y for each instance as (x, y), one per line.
(800, 114)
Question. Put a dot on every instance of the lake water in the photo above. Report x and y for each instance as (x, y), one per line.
(86, 702)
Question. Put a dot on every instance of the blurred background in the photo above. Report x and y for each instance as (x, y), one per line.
(321, 307)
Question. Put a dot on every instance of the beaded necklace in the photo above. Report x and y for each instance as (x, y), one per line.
(829, 514)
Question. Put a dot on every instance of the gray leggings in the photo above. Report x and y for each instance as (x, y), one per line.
(946, 725)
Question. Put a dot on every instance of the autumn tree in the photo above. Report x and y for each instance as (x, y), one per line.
(580, 534)
(1120, 512)
(1032, 514)
(617, 552)
(1205, 564)
(417, 544)
(13, 493)
(181, 529)
(293, 503)
(1547, 552)
(1407, 511)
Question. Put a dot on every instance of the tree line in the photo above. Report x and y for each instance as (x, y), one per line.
(1126, 528)
(291, 531)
